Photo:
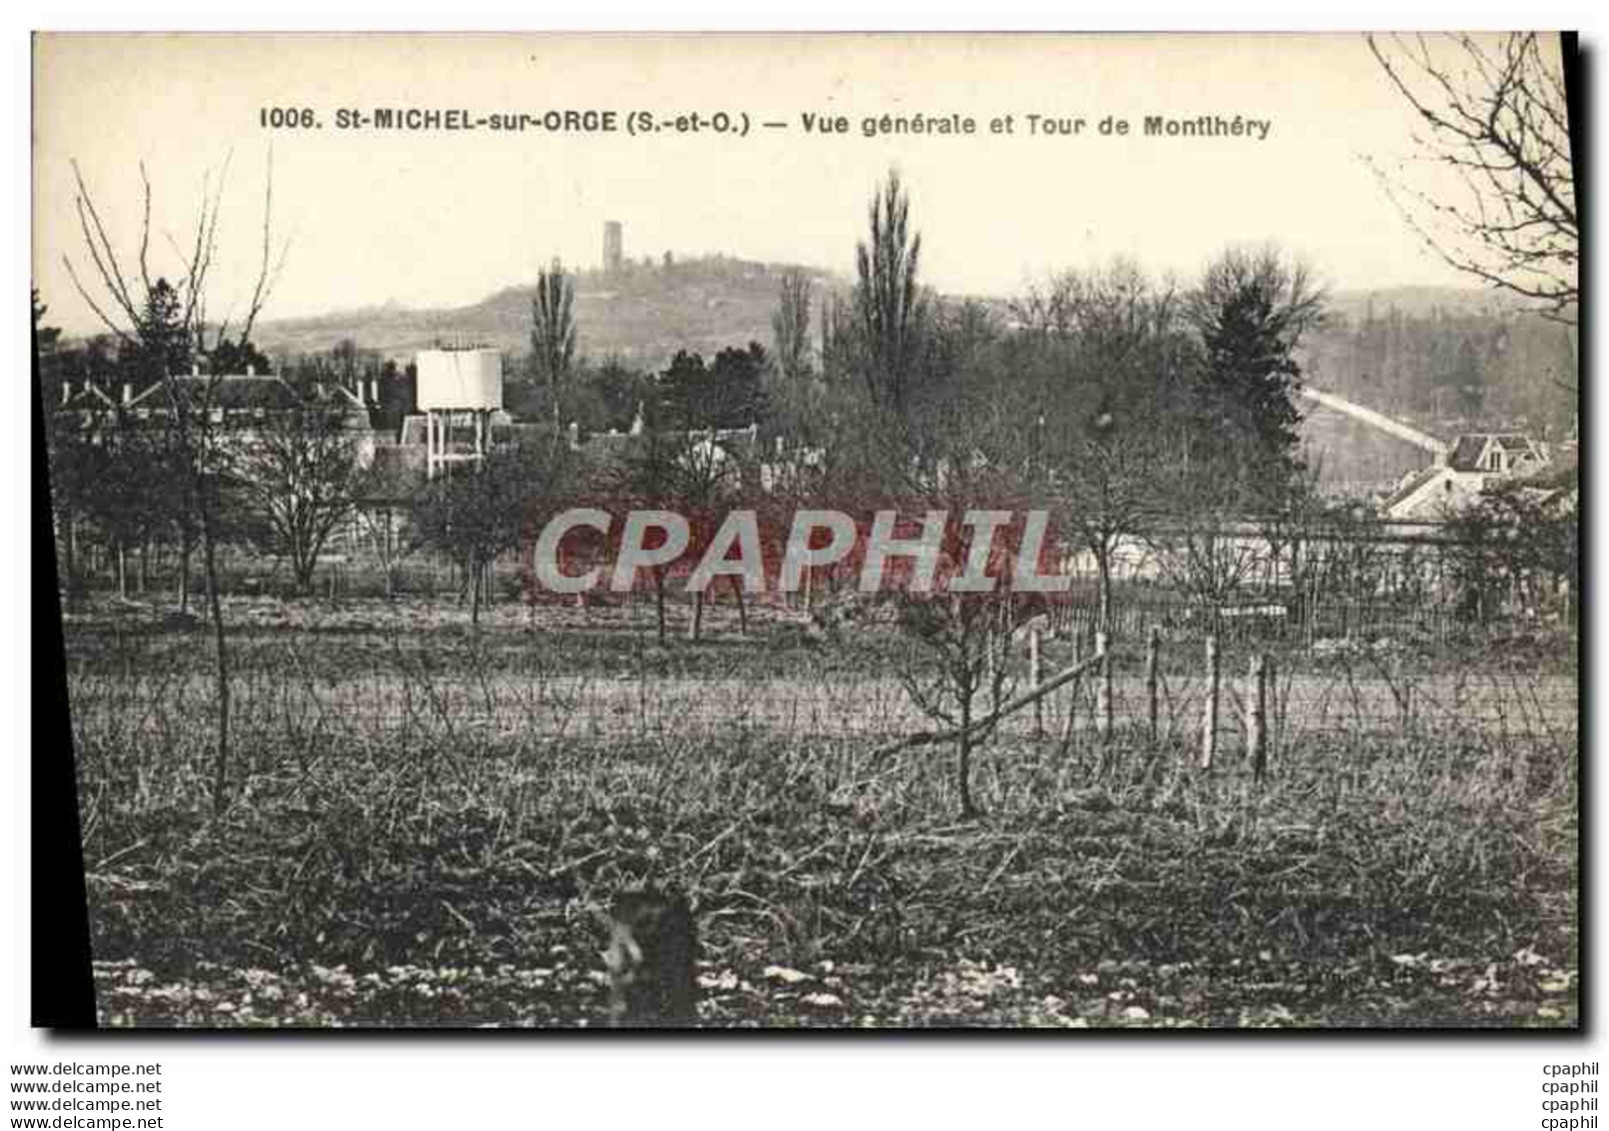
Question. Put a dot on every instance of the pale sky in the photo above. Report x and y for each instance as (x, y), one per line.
(445, 218)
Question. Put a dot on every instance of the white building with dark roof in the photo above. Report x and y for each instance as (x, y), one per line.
(1474, 461)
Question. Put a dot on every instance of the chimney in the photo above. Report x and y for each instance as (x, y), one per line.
(575, 434)
(251, 370)
(128, 392)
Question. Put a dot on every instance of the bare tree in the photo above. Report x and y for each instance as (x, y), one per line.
(300, 475)
(162, 327)
(837, 339)
(696, 475)
(1293, 534)
(957, 672)
(651, 477)
(553, 332)
(1200, 554)
(485, 510)
(382, 510)
(1107, 342)
(1493, 120)
(1106, 495)
(964, 676)
(124, 472)
(67, 447)
(790, 327)
(708, 479)
(889, 304)
(1519, 542)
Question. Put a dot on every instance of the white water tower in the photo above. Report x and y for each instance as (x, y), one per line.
(458, 391)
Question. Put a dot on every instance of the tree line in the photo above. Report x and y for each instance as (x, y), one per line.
(1117, 397)
(1135, 407)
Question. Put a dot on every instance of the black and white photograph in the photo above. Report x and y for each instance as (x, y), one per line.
(801, 531)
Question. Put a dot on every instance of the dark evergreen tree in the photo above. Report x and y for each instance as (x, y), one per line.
(621, 391)
(163, 344)
(231, 356)
(735, 391)
(1251, 311)
(683, 391)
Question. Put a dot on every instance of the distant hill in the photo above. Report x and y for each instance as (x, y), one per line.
(646, 313)
(1421, 302)
(642, 314)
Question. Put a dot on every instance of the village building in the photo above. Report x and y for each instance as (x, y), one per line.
(1472, 464)
(238, 404)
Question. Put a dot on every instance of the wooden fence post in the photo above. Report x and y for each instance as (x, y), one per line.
(1036, 673)
(1209, 713)
(1275, 730)
(1103, 688)
(993, 655)
(1152, 649)
(1257, 717)
(1071, 698)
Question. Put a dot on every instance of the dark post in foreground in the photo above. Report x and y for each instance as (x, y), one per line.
(1103, 689)
(1036, 676)
(653, 946)
(1257, 717)
(1153, 648)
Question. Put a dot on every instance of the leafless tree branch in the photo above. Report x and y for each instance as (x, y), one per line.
(1494, 121)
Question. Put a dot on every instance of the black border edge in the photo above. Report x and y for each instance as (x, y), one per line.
(62, 985)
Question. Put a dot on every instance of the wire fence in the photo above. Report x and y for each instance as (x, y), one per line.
(1387, 657)
(388, 687)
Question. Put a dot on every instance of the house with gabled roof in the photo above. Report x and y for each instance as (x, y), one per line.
(237, 402)
(1472, 464)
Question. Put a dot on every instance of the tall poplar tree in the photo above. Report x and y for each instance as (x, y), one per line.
(553, 335)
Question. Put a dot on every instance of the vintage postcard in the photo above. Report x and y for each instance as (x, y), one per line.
(875, 531)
